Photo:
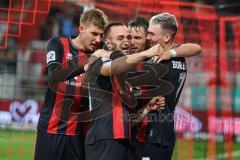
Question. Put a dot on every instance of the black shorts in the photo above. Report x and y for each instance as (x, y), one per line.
(148, 151)
(58, 147)
(108, 149)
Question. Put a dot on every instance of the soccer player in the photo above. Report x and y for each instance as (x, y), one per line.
(139, 31)
(59, 135)
(157, 137)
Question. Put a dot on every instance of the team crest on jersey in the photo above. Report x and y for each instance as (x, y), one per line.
(51, 56)
(69, 56)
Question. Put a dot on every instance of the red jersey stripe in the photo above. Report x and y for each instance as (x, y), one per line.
(72, 123)
(143, 129)
(118, 117)
(61, 87)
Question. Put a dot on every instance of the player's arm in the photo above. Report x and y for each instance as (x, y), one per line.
(125, 63)
(156, 103)
(101, 53)
(56, 72)
(184, 50)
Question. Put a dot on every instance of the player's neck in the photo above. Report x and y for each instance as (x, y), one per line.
(78, 43)
(167, 47)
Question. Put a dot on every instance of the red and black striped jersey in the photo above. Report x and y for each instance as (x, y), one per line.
(108, 113)
(63, 101)
(158, 126)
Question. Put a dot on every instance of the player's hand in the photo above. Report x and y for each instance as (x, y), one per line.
(165, 56)
(97, 54)
(156, 103)
(155, 59)
(90, 61)
(156, 50)
(101, 53)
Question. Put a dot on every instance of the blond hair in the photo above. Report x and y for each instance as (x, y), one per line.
(94, 17)
(167, 21)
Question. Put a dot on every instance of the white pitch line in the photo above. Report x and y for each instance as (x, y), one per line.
(222, 156)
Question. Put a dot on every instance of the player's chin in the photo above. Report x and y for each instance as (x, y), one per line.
(134, 50)
(93, 48)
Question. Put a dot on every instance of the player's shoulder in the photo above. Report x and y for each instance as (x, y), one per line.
(182, 59)
(54, 40)
(55, 44)
(116, 54)
(54, 50)
(176, 45)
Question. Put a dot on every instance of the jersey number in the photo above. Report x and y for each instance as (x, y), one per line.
(182, 78)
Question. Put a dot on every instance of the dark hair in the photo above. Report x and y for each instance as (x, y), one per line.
(95, 17)
(108, 27)
(139, 22)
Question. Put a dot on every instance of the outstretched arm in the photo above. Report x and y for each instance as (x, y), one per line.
(123, 64)
(187, 50)
(184, 50)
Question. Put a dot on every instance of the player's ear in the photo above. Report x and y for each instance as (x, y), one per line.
(167, 37)
(81, 28)
(108, 44)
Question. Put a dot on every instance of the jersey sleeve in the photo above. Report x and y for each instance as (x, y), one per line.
(95, 68)
(115, 55)
(54, 52)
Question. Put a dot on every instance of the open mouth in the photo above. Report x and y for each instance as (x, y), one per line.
(126, 48)
(134, 49)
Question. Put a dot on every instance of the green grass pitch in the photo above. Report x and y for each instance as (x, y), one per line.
(20, 145)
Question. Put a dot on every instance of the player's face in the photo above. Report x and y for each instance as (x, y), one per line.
(92, 36)
(120, 39)
(155, 34)
(139, 39)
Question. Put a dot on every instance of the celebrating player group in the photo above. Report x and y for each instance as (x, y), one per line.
(105, 86)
